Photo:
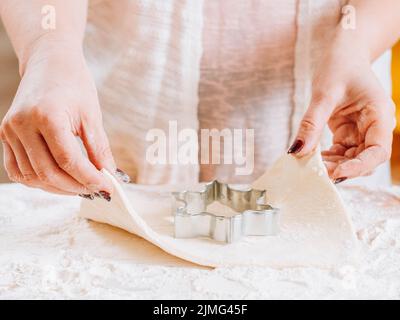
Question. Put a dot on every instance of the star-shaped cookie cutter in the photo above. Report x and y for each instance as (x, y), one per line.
(254, 216)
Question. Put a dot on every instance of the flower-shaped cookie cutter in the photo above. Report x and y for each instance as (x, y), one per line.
(254, 216)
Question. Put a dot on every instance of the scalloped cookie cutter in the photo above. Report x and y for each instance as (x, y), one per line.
(254, 216)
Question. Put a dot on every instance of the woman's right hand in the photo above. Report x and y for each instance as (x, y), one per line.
(56, 102)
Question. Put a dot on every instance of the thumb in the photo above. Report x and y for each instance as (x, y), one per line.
(311, 127)
(97, 146)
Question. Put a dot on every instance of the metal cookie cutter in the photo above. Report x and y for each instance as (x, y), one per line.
(254, 217)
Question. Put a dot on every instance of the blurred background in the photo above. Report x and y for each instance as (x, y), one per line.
(9, 80)
(395, 161)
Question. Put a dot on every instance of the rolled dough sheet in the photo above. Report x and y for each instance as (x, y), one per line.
(315, 227)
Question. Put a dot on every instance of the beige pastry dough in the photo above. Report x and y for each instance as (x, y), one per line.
(315, 227)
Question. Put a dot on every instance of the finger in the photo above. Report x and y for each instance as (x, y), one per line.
(14, 174)
(10, 164)
(335, 149)
(378, 141)
(66, 151)
(362, 164)
(330, 167)
(46, 168)
(360, 148)
(97, 146)
(334, 158)
(28, 175)
(311, 127)
(370, 173)
(351, 152)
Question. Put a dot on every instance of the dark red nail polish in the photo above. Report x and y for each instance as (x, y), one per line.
(339, 180)
(105, 195)
(122, 176)
(86, 196)
(296, 146)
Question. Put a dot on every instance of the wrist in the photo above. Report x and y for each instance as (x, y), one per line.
(353, 43)
(49, 48)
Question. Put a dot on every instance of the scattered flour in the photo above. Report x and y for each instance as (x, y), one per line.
(47, 252)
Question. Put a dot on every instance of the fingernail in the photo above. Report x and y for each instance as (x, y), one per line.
(122, 176)
(339, 180)
(296, 146)
(86, 196)
(104, 195)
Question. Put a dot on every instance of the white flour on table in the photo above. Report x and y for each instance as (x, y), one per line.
(47, 252)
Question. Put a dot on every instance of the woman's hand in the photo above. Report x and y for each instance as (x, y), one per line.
(57, 102)
(348, 97)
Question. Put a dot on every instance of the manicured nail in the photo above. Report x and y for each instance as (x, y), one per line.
(104, 195)
(86, 196)
(339, 180)
(122, 176)
(296, 146)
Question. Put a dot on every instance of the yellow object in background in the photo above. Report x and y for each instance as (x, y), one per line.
(396, 82)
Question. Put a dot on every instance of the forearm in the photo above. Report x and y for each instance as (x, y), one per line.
(377, 25)
(23, 21)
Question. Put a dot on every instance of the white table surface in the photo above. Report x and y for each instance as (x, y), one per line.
(46, 251)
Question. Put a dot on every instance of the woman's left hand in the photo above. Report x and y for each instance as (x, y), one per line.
(348, 97)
